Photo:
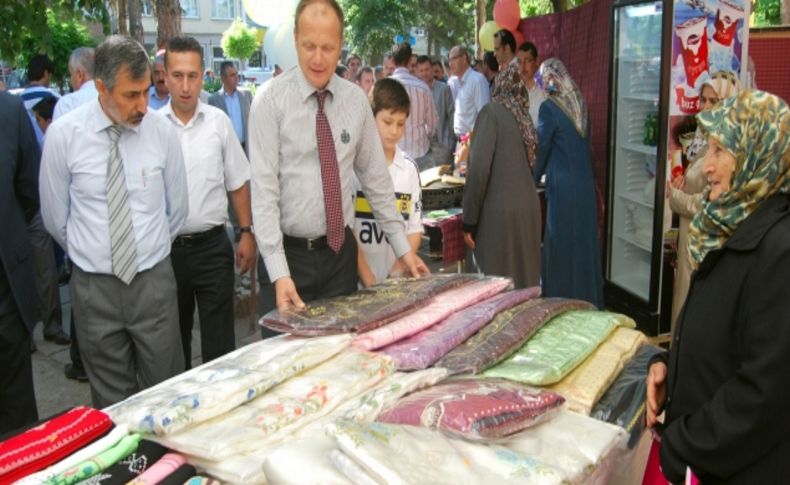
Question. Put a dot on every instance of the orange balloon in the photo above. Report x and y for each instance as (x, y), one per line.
(507, 13)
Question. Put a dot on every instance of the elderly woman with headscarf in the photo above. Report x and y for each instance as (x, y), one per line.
(685, 193)
(501, 218)
(724, 383)
(571, 250)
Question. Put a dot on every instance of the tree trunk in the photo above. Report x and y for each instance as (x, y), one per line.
(784, 9)
(135, 9)
(480, 19)
(559, 5)
(121, 9)
(168, 21)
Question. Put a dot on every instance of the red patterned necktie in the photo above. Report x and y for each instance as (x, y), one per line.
(330, 177)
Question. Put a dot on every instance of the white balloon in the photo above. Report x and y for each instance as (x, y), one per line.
(268, 42)
(269, 12)
(284, 49)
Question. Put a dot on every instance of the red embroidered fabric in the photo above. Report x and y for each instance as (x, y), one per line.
(48, 443)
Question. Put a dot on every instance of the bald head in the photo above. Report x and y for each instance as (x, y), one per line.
(459, 60)
(319, 8)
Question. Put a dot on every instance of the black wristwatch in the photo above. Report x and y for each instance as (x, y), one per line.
(244, 229)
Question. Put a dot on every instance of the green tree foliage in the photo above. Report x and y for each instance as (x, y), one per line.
(448, 22)
(534, 8)
(371, 25)
(767, 13)
(63, 37)
(240, 41)
(27, 19)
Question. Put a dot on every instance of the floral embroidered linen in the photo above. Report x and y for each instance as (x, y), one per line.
(179, 476)
(558, 347)
(160, 470)
(305, 458)
(100, 462)
(223, 384)
(573, 444)
(242, 469)
(623, 404)
(49, 442)
(585, 385)
(423, 349)
(506, 333)
(366, 309)
(475, 409)
(442, 306)
(396, 454)
(102, 444)
(265, 421)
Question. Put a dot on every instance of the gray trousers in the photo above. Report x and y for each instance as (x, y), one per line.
(46, 276)
(129, 335)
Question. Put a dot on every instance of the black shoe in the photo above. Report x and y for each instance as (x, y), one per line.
(59, 338)
(75, 373)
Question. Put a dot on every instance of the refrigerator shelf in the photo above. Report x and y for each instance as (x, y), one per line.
(648, 97)
(633, 283)
(641, 148)
(636, 198)
(634, 242)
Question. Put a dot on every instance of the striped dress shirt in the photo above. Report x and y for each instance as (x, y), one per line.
(287, 194)
(421, 123)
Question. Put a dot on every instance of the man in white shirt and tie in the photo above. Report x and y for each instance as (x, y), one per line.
(202, 254)
(114, 193)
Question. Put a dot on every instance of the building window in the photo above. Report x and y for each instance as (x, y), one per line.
(148, 8)
(223, 9)
(189, 9)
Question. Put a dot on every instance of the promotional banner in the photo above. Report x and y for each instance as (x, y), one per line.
(708, 36)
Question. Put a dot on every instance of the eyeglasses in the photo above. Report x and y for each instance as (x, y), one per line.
(452, 58)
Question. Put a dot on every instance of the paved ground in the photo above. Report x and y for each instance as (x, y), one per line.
(55, 393)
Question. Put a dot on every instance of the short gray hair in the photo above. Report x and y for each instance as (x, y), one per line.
(83, 58)
(118, 51)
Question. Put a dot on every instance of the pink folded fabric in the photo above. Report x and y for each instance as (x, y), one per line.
(441, 307)
(475, 409)
(423, 349)
(159, 470)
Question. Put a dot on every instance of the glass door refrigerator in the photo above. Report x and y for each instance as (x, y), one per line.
(662, 54)
(635, 273)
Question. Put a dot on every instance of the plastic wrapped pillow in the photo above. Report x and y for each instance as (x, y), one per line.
(366, 309)
(475, 409)
(623, 404)
(585, 385)
(441, 307)
(423, 349)
(557, 348)
(505, 334)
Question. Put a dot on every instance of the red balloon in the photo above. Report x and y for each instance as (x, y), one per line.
(507, 14)
(519, 37)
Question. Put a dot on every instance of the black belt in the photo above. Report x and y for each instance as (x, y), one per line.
(197, 237)
(311, 244)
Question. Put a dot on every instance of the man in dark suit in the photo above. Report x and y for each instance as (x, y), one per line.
(19, 159)
(233, 101)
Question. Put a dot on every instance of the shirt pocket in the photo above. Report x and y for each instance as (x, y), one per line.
(146, 189)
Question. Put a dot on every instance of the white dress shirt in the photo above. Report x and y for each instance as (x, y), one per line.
(421, 122)
(215, 163)
(86, 92)
(287, 193)
(474, 92)
(72, 186)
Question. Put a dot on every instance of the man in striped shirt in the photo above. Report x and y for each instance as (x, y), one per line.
(421, 124)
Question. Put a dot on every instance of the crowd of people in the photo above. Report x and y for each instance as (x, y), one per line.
(136, 174)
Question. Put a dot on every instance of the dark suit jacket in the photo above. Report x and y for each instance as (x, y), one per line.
(245, 100)
(727, 384)
(19, 159)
